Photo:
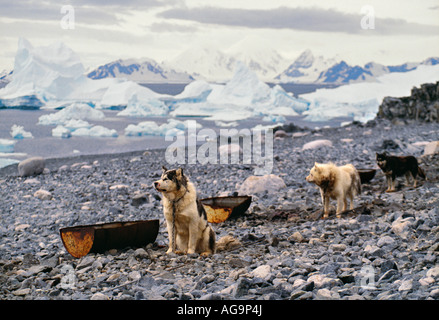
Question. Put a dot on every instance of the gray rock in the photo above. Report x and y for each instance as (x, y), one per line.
(139, 199)
(99, 296)
(43, 194)
(31, 166)
(326, 294)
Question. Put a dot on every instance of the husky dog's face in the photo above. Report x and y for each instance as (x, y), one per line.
(381, 159)
(171, 180)
(314, 173)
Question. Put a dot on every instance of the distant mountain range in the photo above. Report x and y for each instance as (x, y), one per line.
(218, 66)
(309, 69)
(147, 71)
(270, 66)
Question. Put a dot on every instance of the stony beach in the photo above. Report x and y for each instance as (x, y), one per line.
(386, 248)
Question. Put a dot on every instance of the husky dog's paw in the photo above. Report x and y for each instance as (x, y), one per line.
(205, 254)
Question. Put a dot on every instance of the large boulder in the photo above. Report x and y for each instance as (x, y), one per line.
(31, 166)
(431, 148)
(316, 144)
(257, 184)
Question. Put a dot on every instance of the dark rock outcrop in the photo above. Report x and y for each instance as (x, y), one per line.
(422, 105)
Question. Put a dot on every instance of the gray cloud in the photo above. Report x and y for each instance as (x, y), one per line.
(305, 19)
(91, 12)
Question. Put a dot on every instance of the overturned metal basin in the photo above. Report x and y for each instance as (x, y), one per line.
(98, 238)
(219, 209)
(366, 174)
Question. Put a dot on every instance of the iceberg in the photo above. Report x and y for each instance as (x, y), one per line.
(361, 100)
(196, 91)
(18, 132)
(95, 131)
(74, 124)
(53, 76)
(41, 74)
(120, 92)
(145, 108)
(61, 132)
(244, 96)
(274, 118)
(75, 111)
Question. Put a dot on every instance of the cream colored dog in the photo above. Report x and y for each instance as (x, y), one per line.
(186, 218)
(337, 183)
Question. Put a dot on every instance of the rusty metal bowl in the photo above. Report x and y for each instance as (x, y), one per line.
(366, 174)
(98, 238)
(219, 209)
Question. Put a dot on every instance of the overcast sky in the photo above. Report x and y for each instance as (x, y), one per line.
(105, 30)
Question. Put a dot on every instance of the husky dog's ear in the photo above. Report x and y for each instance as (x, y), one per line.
(164, 169)
(181, 179)
(316, 166)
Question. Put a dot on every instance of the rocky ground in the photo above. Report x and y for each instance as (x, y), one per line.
(386, 248)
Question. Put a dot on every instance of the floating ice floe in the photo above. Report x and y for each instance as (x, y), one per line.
(7, 145)
(75, 111)
(18, 132)
(6, 162)
(95, 131)
(171, 128)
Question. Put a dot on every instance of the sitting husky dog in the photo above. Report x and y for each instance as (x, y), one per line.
(185, 216)
(335, 183)
(394, 166)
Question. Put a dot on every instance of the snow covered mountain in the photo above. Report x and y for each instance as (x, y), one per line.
(343, 73)
(147, 71)
(310, 69)
(305, 69)
(205, 63)
(218, 65)
(265, 62)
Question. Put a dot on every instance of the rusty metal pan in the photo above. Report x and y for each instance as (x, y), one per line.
(219, 209)
(366, 174)
(98, 238)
